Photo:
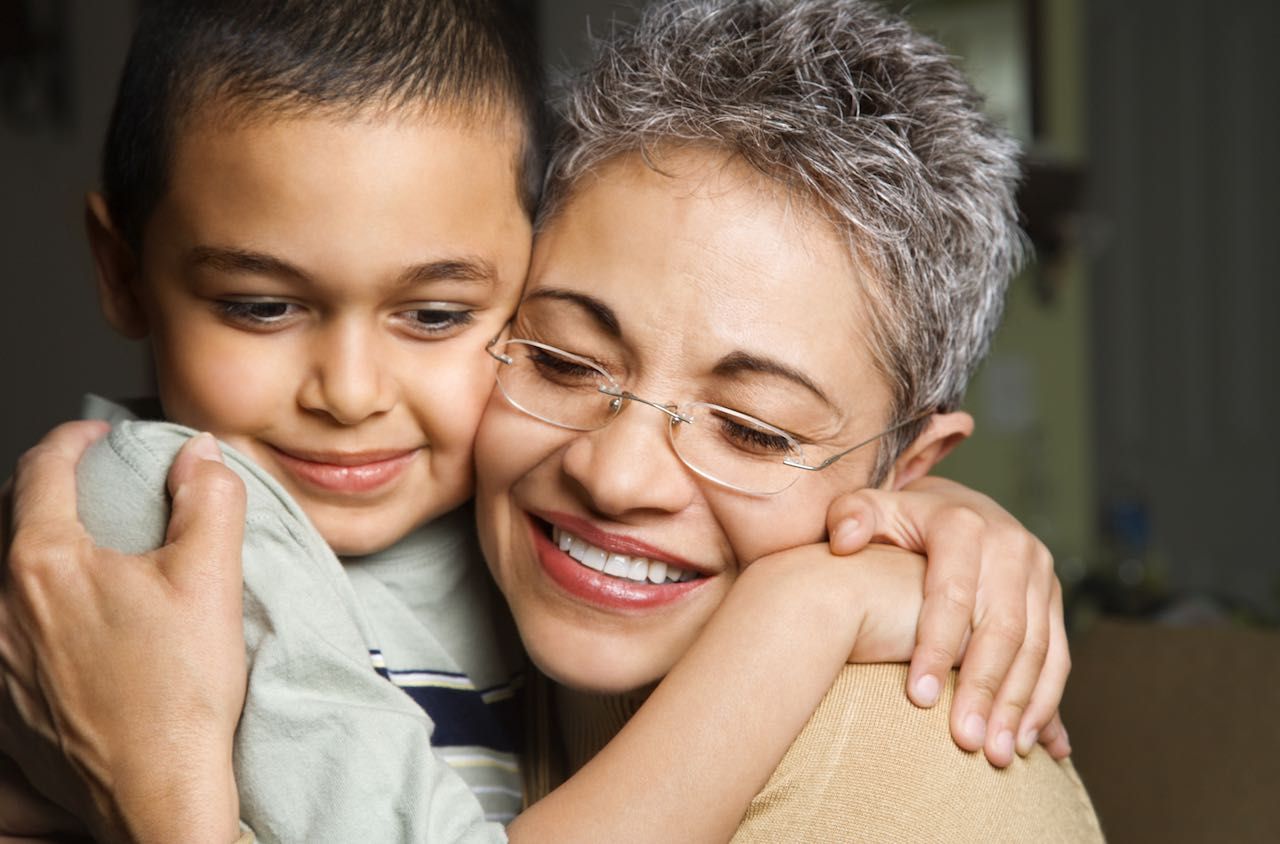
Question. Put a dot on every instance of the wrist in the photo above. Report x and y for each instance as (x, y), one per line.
(190, 801)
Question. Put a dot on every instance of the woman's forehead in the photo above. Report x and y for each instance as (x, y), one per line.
(705, 258)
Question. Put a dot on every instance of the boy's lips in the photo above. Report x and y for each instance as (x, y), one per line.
(346, 472)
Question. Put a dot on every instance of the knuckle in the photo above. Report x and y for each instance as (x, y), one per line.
(1007, 629)
(956, 592)
(964, 519)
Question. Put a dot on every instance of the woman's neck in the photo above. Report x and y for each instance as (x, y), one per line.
(587, 721)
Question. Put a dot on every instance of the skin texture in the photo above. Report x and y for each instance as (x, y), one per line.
(698, 263)
(318, 296)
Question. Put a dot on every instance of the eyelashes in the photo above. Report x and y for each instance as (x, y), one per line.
(267, 315)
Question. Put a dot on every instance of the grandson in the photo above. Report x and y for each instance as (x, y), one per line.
(321, 221)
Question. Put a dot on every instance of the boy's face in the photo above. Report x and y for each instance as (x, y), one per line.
(319, 294)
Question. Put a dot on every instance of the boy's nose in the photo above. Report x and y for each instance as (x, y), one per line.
(346, 382)
(629, 465)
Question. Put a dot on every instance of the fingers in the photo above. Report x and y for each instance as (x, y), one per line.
(206, 524)
(44, 487)
(950, 595)
(1043, 707)
(1054, 738)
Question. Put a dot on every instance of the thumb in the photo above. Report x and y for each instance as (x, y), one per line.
(894, 517)
(852, 521)
(206, 523)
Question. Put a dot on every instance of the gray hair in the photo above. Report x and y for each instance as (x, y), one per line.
(852, 110)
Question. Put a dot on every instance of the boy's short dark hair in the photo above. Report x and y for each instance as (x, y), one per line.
(338, 57)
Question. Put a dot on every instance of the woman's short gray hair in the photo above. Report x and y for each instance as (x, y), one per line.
(850, 108)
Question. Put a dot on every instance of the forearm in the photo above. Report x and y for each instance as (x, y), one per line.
(687, 765)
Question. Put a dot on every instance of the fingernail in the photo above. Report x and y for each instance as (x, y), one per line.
(1027, 741)
(206, 448)
(975, 727)
(845, 533)
(1004, 744)
(927, 688)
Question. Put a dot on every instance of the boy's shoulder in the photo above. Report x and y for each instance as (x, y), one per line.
(121, 481)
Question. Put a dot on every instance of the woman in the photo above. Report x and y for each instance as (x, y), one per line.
(716, 330)
(774, 240)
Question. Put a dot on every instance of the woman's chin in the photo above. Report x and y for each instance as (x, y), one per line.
(596, 671)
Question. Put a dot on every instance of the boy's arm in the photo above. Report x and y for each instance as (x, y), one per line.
(989, 579)
(686, 766)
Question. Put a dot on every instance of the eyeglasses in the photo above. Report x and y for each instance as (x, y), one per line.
(724, 446)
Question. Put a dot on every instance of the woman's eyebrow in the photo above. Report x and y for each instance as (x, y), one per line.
(739, 361)
(599, 311)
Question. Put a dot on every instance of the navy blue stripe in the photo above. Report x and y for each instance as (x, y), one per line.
(462, 718)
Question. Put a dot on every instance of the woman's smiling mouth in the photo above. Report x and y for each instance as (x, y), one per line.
(609, 572)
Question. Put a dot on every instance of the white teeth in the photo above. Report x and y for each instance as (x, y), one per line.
(638, 569)
(618, 565)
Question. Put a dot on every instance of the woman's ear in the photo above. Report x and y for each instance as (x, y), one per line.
(116, 269)
(943, 432)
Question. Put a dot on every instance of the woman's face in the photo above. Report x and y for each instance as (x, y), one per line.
(703, 283)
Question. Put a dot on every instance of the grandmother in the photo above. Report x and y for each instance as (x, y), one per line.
(773, 248)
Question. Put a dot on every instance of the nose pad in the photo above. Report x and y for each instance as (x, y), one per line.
(629, 464)
(346, 382)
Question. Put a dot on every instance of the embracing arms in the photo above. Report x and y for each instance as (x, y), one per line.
(635, 781)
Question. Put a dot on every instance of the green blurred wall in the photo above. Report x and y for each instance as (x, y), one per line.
(1032, 451)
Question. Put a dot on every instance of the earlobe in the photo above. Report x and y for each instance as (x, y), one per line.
(942, 433)
(115, 269)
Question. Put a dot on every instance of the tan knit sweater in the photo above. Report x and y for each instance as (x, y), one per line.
(870, 766)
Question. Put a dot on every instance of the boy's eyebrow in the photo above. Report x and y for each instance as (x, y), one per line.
(230, 260)
(602, 313)
(739, 361)
(242, 261)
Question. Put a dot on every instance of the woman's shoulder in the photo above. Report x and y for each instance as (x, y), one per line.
(872, 766)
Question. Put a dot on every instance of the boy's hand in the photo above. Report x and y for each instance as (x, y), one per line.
(124, 675)
(986, 574)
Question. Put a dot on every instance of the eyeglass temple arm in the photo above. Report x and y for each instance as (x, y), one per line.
(796, 464)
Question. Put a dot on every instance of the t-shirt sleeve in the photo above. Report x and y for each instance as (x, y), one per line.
(870, 766)
(326, 749)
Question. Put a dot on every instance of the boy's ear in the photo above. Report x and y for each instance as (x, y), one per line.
(943, 432)
(116, 269)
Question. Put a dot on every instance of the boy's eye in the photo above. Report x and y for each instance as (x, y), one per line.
(433, 321)
(256, 314)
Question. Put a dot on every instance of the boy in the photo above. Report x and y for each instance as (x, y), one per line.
(341, 352)
(320, 220)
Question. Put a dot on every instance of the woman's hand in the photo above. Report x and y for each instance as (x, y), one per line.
(986, 575)
(126, 674)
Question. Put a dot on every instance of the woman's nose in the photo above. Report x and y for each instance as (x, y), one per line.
(629, 465)
(346, 381)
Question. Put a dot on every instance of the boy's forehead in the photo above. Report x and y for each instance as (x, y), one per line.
(400, 185)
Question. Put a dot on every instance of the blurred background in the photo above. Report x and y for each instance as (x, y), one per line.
(1125, 414)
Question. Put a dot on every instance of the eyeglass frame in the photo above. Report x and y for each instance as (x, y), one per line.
(672, 411)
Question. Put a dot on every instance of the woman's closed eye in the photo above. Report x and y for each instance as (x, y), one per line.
(745, 436)
(560, 369)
